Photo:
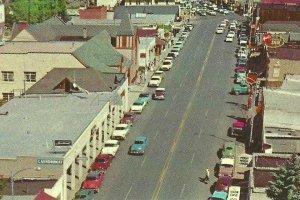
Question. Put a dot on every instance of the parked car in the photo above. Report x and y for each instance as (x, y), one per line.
(231, 33)
(240, 89)
(93, 181)
(138, 106)
(166, 65)
(102, 162)
(111, 147)
(238, 127)
(175, 51)
(240, 76)
(154, 81)
(146, 97)
(159, 73)
(139, 146)
(84, 194)
(170, 54)
(229, 150)
(226, 167)
(159, 94)
(229, 38)
(179, 44)
(120, 132)
(219, 196)
(220, 30)
(223, 184)
(128, 118)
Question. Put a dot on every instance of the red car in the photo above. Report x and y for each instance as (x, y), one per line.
(223, 184)
(159, 94)
(102, 162)
(128, 118)
(93, 181)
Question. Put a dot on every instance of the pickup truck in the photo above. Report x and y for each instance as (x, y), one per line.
(226, 167)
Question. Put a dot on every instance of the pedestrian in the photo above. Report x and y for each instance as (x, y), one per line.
(206, 178)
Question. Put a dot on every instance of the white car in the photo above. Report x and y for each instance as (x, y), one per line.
(179, 44)
(120, 132)
(225, 11)
(185, 34)
(223, 24)
(175, 51)
(231, 33)
(166, 65)
(154, 81)
(138, 106)
(212, 13)
(169, 58)
(111, 147)
(159, 73)
(220, 30)
(229, 38)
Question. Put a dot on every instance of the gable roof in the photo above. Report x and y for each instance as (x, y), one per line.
(99, 54)
(126, 27)
(86, 78)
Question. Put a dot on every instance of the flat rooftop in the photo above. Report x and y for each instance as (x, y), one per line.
(32, 124)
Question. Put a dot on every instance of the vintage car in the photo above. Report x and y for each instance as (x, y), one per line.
(102, 162)
(226, 167)
(128, 118)
(229, 150)
(85, 194)
(219, 196)
(138, 106)
(238, 127)
(159, 94)
(121, 132)
(93, 180)
(223, 183)
(139, 146)
(111, 147)
(154, 81)
(146, 97)
(242, 88)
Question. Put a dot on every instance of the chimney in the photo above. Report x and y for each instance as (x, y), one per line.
(84, 33)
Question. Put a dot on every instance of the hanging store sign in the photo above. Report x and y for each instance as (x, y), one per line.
(273, 40)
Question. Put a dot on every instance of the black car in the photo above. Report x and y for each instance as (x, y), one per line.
(171, 55)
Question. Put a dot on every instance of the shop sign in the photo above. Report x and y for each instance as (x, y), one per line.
(49, 161)
(273, 40)
(62, 143)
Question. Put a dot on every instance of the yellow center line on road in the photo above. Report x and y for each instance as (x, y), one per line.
(179, 131)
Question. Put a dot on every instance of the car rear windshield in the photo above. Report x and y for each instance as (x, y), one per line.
(138, 142)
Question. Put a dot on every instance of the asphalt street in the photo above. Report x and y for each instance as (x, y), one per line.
(186, 130)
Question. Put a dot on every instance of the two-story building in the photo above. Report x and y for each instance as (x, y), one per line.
(24, 63)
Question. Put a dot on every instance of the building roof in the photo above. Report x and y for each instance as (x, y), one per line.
(284, 144)
(282, 109)
(281, 26)
(98, 53)
(285, 53)
(146, 32)
(280, 1)
(262, 178)
(39, 123)
(86, 78)
(270, 160)
(148, 9)
(39, 47)
(126, 27)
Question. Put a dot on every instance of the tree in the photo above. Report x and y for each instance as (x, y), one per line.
(35, 11)
(286, 181)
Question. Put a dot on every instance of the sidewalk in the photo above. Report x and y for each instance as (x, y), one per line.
(137, 88)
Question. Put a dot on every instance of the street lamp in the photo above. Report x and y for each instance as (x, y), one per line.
(13, 174)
